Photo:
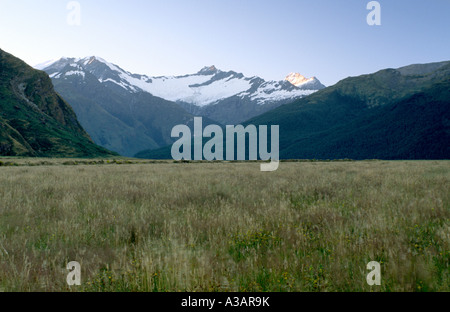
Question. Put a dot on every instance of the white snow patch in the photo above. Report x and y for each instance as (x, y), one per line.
(75, 72)
(121, 84)
(268, 92)
(110, 65)
(218, 90)
(181, 88)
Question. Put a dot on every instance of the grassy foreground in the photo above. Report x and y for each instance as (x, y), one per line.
(309, 226)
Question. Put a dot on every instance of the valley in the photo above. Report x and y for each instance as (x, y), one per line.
(201, 151)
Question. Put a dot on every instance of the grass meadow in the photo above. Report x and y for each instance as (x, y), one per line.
(212, 227)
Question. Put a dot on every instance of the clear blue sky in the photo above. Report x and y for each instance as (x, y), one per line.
(329, 39)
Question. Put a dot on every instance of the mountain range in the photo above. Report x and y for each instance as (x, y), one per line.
(128, 113)
(399, 113)
(34, 119)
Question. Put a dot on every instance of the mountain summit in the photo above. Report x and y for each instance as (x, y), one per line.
(208, 70)
(299, 80)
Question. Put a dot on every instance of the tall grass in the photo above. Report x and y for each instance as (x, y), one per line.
(309, 226)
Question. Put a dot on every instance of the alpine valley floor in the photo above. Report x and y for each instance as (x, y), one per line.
(170, 226)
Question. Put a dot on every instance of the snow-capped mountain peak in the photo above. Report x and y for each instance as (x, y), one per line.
(207, 87)
(208, 70)
(300, 81)
(297, 80)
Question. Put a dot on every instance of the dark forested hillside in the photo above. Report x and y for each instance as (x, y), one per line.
(34, 119)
